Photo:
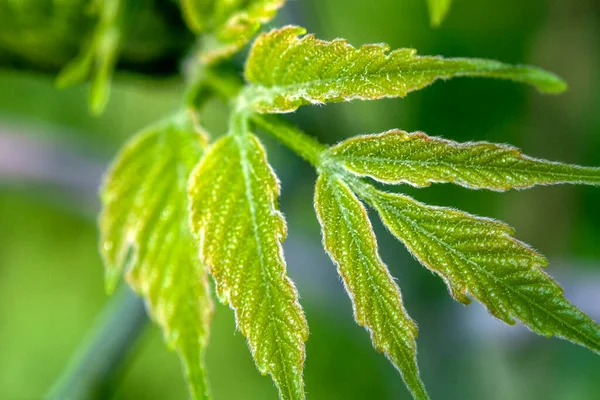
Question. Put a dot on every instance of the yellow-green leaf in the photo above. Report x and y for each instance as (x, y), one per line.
(233, 199)
(286, 71)
(416, 159)
(144, 230)
(480, 257)
(228, 24)
(438, 10)
(349, 239)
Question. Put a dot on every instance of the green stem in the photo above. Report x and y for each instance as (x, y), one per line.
(299, 142)
(228, 87)
(96, 363)
(313, 152)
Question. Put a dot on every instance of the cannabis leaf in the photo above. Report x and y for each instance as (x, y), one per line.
(349, 239)
(396, 156)
(438, 10)
(229, 25)
(98, 57)
(144, 231)
(286, 71)
(168, 223)
(233, 194)
(480, 257)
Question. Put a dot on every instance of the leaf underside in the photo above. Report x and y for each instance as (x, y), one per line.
(438, 9)
(286, 71)
(234, 214)
(144, 213)
(396, 157)
(480, 257)
(350, 242)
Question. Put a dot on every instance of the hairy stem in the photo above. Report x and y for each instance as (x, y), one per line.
(299, 142)
(97, 361)
(312, 151)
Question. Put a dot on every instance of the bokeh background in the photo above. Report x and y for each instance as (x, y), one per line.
(53, 154)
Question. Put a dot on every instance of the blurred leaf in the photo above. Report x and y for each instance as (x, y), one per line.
(234, 213)
(438, 10)
(287, 71)
(228, 25)
(197, 14)
(349, 239)
(396, 157)
(98, 57)
(480, 257)
(33, 33)
(144, 231)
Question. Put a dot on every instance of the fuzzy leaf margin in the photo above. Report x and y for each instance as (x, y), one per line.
(398, 157)
(233, 212)
(350, 241)
(144, 232)
(479, 257)
(286, 70)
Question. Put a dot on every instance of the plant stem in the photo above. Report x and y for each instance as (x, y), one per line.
(108, 344)
(313, 152)
(299, 142)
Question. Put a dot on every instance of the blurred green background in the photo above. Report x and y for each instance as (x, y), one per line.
(52, 156)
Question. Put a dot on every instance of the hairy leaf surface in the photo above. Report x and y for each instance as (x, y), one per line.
(144, 229)
(438, 10)
(234, 213)
(230, 24)
(287, 71)
(349, 239)
(396, 157)
(480, 257)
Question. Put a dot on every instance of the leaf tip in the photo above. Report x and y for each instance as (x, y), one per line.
(555, 85)
(112, 277)
(438, 9)
(292, 30)
(546, 82)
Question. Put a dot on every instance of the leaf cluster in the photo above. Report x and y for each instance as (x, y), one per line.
(179, 205)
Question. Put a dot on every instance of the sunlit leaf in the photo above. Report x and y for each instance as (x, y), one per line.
(349, 239)
(234, 213)
(287, 71)
(144, 231)
(479, 257)
(396, 156)
(228, 24)
(438, 10)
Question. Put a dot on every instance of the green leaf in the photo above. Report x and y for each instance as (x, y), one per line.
(234, 213)
(349, 239)
(229, 24)
(197, 14)
(144, 230)
(438, 10)
(99, 56)
(480, 257)
(287, 71)
(396, 157)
